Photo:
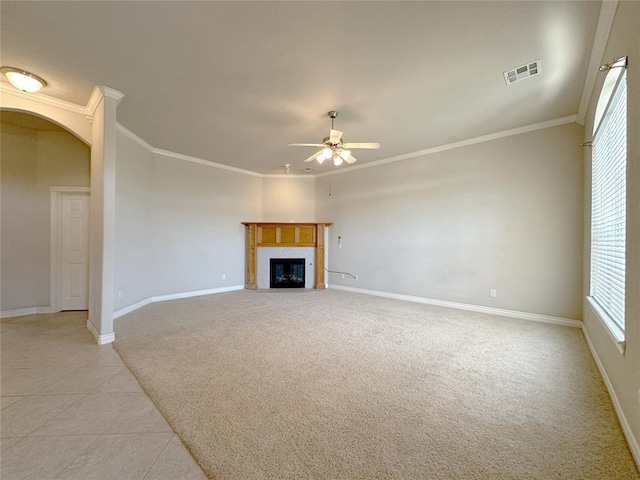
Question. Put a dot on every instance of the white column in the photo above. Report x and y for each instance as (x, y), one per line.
(103, 192)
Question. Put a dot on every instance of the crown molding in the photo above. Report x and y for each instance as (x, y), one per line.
(45, 99)
(99, 91)
(132, 136)
(603, 30)
(188, 158)
(463, 143)
(166, 153)
(94, 100)
(285, 175)
(450, 146)
(111, 93)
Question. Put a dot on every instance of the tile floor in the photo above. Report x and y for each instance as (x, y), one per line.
(70, 409)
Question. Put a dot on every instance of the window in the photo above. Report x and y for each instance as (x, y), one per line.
(608, 200)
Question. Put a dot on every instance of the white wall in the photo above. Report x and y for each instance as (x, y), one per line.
(623, 371)
(504, 214)
(288, 198)
(31, 162)
(178, 224)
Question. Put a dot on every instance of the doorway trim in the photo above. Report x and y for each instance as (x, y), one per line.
(56, 194)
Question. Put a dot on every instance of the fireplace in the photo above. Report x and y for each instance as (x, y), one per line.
(287, 273)
(291, 240)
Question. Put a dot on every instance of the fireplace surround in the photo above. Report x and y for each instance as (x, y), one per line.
(295, 240)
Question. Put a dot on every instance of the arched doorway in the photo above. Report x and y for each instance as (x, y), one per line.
(38, 155)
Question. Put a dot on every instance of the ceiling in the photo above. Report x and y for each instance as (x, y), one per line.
(235, 82)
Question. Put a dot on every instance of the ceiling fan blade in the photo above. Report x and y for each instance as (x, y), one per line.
(313, 157)
(362, 145)
(317, 145)
(351, 159)
(335, 136)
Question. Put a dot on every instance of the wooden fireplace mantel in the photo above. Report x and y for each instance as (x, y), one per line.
(290, 234)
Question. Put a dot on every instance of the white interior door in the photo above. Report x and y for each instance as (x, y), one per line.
(74, 251)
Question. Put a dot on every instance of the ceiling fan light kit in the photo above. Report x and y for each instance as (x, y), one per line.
(332, 147)
(345, 154)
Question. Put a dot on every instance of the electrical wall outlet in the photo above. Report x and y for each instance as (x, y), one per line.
(224, 276)
(492, 293)
(342, 276)
(119, 293)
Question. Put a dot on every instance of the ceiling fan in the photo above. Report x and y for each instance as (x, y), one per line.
(332, 147)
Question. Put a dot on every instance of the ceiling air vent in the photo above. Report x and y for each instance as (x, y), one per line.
(523, 71)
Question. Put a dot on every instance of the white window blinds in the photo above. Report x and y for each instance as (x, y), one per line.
(608, 205)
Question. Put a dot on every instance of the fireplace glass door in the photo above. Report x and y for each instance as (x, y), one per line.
(287, 273)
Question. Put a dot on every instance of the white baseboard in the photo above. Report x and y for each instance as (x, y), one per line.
(566, 322)
(100, 339)
(195, 293)
(20, 312)
(132, 307)
(624, 423)
(173, 296)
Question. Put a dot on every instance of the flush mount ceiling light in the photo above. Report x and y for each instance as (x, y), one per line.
(23, 80)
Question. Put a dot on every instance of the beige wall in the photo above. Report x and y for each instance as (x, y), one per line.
(504, 214)
(21, 272)
(133, 269)
(31, 162)
(178, 224)
(287, 199)
(622, 370)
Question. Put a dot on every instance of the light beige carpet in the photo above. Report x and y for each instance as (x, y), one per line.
(337, 385)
